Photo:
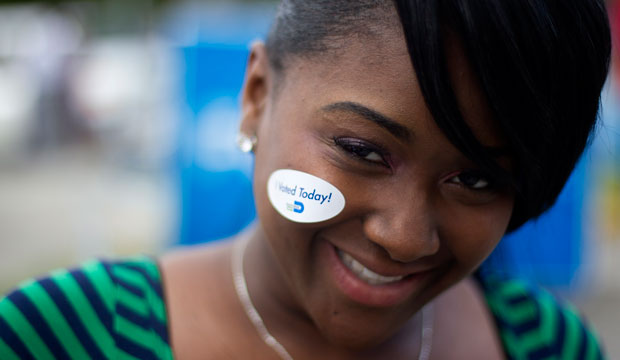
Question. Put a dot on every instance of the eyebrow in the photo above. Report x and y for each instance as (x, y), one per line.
(395, 128)
(376, 117)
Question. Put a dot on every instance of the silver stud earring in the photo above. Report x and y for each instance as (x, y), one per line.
(246, 143)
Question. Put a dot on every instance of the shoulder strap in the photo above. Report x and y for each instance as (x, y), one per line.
(140, 314)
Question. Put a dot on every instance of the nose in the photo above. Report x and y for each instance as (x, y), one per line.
(404, 226)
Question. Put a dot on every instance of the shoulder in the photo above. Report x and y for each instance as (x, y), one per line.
(534, 324)
(464, 324)
(100, 310)
(203, 314)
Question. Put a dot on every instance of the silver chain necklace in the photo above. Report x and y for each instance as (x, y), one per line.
(426, 341)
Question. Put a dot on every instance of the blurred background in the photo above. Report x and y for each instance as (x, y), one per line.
(117, 136)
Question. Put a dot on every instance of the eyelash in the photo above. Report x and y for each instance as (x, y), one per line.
(488, 182)
(360, 149)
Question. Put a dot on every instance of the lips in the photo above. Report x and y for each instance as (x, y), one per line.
(365, 286)
(364, 273)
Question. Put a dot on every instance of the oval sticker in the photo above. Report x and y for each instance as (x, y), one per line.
(303, 198)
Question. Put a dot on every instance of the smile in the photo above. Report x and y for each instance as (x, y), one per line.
(365, 286)
(363, 273)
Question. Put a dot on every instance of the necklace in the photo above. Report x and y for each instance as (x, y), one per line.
(241, 289)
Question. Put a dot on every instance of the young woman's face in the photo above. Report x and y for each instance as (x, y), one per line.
(415, 206)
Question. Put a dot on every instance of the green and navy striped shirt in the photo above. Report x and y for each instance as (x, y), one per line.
(115, 310)
(103, 310)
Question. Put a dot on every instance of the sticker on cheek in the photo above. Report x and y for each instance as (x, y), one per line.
(303, 198)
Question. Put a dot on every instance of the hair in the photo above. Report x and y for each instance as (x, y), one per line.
(541, 65)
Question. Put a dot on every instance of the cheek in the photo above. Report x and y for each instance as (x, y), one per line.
(285, 237)
(472, 233)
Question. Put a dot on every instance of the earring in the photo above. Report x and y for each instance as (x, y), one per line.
(246, 143)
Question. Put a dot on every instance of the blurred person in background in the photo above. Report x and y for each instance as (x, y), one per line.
(395, 143)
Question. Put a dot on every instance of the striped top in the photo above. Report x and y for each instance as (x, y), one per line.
(115, 310)
(103, 310)
(533, 324)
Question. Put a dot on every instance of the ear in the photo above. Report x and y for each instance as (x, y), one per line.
(255, 90)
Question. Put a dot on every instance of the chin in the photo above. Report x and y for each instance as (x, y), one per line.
(356, 329)
(357, 339)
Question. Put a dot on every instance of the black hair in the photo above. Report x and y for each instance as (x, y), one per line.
(541, 65)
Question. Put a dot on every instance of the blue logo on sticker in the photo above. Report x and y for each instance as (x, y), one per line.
(297, 207)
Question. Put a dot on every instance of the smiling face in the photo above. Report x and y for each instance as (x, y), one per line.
(418, 214)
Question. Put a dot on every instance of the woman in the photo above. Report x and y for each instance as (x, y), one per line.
(395, 142)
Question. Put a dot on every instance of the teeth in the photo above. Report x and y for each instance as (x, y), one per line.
(364, 273)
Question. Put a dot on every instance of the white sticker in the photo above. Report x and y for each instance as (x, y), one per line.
(302, 197)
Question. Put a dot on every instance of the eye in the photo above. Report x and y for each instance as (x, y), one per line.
(473, 180)
(362, 150)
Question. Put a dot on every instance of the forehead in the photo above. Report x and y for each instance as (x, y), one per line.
(376, 70)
